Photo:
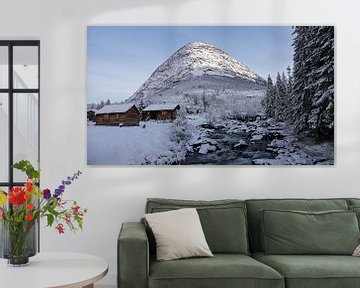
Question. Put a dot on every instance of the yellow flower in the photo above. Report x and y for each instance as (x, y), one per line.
(3, 198)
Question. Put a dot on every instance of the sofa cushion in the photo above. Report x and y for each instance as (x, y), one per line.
(255, 206)
(224, 221)
(178, 234)
(353, 201)
(313, 271)
(222, 270)
(356, 209)
(354, 205)
(297, 232)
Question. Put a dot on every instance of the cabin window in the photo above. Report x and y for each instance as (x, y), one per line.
(19, 108)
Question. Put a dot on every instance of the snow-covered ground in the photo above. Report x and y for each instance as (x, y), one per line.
(111, 145)
(197, 141)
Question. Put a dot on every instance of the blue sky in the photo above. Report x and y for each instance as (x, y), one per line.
(121, 58)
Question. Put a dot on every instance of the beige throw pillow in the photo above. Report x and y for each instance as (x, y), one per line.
(178, 234)
(357, 251)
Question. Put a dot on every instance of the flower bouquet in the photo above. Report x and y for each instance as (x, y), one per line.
(21, 208)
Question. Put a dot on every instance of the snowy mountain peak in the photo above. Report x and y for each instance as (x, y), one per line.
(210, 60)
(197, 44)
(196, 62)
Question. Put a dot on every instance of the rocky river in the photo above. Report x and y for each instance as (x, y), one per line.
(258, 142)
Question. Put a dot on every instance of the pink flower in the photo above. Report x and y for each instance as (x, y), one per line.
(68, 219)
(76, 210)
(60, 228)
(1, 214)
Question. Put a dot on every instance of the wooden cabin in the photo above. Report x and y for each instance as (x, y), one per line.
(160, 112)
(118, 115)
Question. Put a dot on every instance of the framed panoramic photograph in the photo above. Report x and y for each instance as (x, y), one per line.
(215, 95)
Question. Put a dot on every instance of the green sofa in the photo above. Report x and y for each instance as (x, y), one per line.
(233, 230)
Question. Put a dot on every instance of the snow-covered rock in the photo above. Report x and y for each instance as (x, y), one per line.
(206, 148)
(257, 137)
(260, 130)
(276, 143)
(275, 127)
(202, 140)
(202, 144)
(296, 158)
(235, 129)
(241, 144)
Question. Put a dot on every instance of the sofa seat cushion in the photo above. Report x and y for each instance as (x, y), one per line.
(313, 271)
(222, 270)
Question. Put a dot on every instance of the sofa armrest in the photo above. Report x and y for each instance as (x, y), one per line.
(133, 256)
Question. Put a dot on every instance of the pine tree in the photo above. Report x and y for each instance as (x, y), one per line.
(313, 88)
(280, 98)
(302, 68)
(289, 91)
(277, 98)
(322, 115)
(269, 100)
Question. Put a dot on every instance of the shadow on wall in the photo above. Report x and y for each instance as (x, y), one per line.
(159, 12)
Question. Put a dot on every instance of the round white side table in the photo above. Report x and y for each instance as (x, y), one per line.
(50, 270)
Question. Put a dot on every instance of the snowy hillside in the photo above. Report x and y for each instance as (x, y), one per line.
(197, 69)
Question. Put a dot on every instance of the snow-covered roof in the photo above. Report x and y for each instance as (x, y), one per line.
(161, 107)
(115, 108)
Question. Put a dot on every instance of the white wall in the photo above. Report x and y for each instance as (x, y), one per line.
(117, 194)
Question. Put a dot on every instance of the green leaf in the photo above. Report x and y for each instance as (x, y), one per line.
(50, 219)
(26, 167)
(79, 221)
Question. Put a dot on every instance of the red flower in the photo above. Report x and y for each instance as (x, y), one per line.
(29, 206)
(60, 228)
(27, 196)
(17, 196)
(29, 186)
(29, 217)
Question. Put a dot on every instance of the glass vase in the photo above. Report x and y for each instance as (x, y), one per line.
(18, 242)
